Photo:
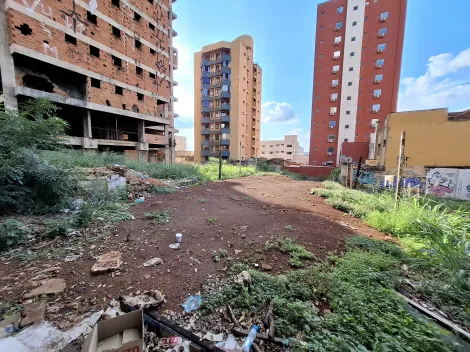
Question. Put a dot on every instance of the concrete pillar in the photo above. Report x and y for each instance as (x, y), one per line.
(7, 66)
(167, 145)
(142, 146)
(87, 132)
(141, 131)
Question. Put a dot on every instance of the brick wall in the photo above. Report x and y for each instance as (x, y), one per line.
(50, 41)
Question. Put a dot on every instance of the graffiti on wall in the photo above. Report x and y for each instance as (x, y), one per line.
(442, 182)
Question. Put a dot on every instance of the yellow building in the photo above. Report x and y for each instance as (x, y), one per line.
(434, 138)
(227, 101)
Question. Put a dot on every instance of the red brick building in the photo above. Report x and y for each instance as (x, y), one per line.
(358, 54)
(108, 65)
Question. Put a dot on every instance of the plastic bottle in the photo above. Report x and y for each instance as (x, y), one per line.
(246, 347)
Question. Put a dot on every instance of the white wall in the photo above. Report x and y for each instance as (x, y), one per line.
(348, 76)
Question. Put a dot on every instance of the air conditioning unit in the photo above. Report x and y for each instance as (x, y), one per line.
(324, 163)
(381, 35)
(330, 140)
(377, 81)
(337, 28)
(378, 66)
(333, 99)
(335, 57)
(329, 153)
(332, 113)
(331, 127)
(380, 51)
(334, 85)
(382, 19)
(375, 111)
(376, 96)
(334, 72)
(336, 43)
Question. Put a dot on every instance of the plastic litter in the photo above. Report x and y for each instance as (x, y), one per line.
(229, 345)
(179, 237)
(192, 303)
(174, 246)
(140, 200)
(246, 347)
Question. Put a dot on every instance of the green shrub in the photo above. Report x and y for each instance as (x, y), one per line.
(84, 216)
(112, 212)
(158, 217)
(12, 233)
(160, 190)
(335, 175)
(99, 193)
(265, 166)
(59, 228)
(296, 251)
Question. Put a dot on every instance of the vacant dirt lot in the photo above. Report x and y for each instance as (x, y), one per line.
(232, 215)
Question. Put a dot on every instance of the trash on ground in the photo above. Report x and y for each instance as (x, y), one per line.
(179, 237)
(152, 262)
(209, 336)
(107, 262)
(174, 246)
(229, 345)
(123, 333)
(243, 278)
(10, 325)
(146, 300)
(72, 257)
(192, 303)
(246, 347)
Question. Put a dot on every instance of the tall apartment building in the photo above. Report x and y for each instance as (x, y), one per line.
(358, 54)
(288, 149)
(107, 64)
(227, 101)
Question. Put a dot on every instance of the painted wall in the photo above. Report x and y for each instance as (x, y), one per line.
(431, 140)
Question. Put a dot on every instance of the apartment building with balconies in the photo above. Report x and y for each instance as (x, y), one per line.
(108, 65)
(227, 101)
(358, 55)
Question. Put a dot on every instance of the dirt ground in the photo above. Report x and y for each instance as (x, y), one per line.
(244, 214)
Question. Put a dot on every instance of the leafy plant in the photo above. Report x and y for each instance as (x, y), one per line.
(158, 217)
(289, 228)
(296, 251)
(218, 254)
(112, 212)
(160, 190)
(59, 228)
(12, 233)
(212, 221)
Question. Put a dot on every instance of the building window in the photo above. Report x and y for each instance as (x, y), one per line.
(137, 17)
(375, 107)
(335, 68)
(331, 150)
(138, 44)
(334, 96)
(151, 26)
(355, 8)
(334, 83)
(115, 2)
(322, 28)
(336, 54)
(338, 40)
(316, 136)
(348, 112)
(340, 9)
(321, 56)
(382, 32)
(346, 126)
(118, 90)
(345, 139)
(94, 51)
(140, 96)
(348, 98)
(332, 123)
(95, 83)
(152, 75)
(381, 47)
(116, 61)
(377, 93)
(70, 39)
(384, 16)
(351, 69)
(317, 123)
(354, 23)
(139, 70)
(331, 137)
(351, 54)
(338, 25)
(349, 84)
(353, 39)
(321, 41)
(333, 110)
(289, 146)
(153, 53)
(380, 63)
(379, 78)
(91, 18)
(317, 110)
(116, 32)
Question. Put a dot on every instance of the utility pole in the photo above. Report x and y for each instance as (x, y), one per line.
(400, 165)
(220, 163)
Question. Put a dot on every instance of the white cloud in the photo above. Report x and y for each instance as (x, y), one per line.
(273, 112)
(435, 89)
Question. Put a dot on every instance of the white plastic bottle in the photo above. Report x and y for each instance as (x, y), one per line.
(246, 347)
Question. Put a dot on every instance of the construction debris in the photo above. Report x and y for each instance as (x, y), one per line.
(243, 278)
(146, 300)
(107, 262)
(192, 303)
(33, 313)
(51, 286)
(152, 262)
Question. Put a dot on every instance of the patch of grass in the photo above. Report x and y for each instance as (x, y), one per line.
(210, 170)
(294, 175)
(160, 190)
(218, 254)
(289, 228)
(296, 251)
(202, 200)
(212, 221)
(112, 212)
(12, 233)
(59, 228)
(159, 217)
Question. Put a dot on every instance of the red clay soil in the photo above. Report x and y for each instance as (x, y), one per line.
(245, 213)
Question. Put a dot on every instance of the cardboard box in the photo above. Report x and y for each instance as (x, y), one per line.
(124, 333)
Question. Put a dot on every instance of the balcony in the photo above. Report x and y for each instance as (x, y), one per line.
(205, 131)
(205, 142)
(226, 95)
(225, 153)
(218, 119)
(226, 70)
(215, 97)
(224, 106)
(175, 58)
(225, 142)
(208, 62)
(154, 139)
(225, 130)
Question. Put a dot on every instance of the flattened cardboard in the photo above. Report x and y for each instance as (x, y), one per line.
(124, 333)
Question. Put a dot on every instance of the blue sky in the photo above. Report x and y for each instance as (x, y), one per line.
(435, 71)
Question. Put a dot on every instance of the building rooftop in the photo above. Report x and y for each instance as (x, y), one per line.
(459, 116)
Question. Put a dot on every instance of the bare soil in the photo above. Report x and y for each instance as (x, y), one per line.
(240, 214)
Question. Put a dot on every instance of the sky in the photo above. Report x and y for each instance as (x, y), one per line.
(435, 70)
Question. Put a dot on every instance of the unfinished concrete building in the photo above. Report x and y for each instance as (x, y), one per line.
(108, 65)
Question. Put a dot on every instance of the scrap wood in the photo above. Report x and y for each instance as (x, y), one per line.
(231, 315)
(46, 244)
(269, 321)
(441, 320)
(276, 340)
(255, 347)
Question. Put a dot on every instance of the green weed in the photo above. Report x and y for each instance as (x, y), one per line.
(158, 217)
(296, 251)
(218, 254)
(160, 190)
(212, 221)
(12, 233)
(202, 200)
(112, 212)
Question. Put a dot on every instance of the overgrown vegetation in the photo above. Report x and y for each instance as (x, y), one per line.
(158, 217)
(296, 251)
(363, 312)
(12, 233)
